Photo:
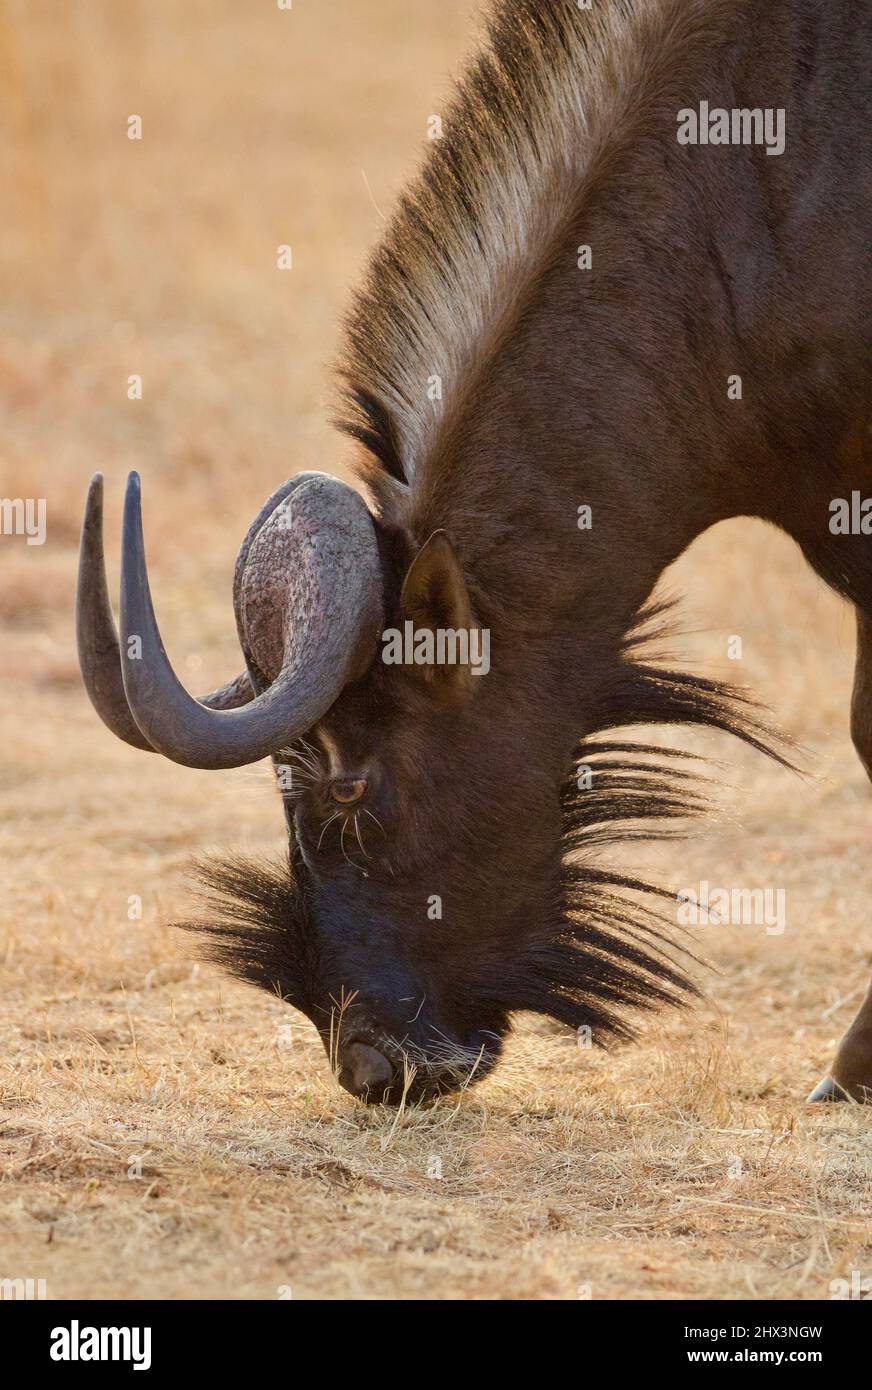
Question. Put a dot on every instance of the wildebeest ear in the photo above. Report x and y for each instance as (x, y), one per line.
(434, 591)
(434, 598)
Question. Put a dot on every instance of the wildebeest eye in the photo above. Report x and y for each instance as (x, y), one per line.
(346, 791)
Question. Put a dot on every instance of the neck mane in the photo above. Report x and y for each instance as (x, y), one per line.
(554, 91)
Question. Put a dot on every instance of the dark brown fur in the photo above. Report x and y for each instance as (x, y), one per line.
(605, 387)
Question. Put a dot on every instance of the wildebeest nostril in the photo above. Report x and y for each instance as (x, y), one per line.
(365, 1072)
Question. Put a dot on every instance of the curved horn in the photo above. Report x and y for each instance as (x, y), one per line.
(97, 639)
(259, 680)
(312, 595)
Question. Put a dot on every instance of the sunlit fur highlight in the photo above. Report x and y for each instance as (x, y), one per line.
(552, 89)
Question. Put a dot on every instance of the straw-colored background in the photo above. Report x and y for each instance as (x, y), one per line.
(688, 1166)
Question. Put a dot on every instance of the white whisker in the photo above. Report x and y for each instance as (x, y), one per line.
(357, 833)
(377, 821)
(334, 817)
(342, 845)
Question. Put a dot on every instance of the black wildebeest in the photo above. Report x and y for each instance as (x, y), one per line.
(632, 276)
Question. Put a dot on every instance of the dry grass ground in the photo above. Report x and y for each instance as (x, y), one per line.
(686, 1166)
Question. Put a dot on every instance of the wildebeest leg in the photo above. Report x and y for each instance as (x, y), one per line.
(861, 702)
(851, 1075)
(843, 557)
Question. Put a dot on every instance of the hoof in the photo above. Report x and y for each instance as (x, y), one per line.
(828, 1089)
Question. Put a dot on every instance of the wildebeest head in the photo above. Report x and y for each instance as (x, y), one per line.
(426, 896)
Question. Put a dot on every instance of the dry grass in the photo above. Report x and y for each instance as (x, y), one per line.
(687, 1166)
